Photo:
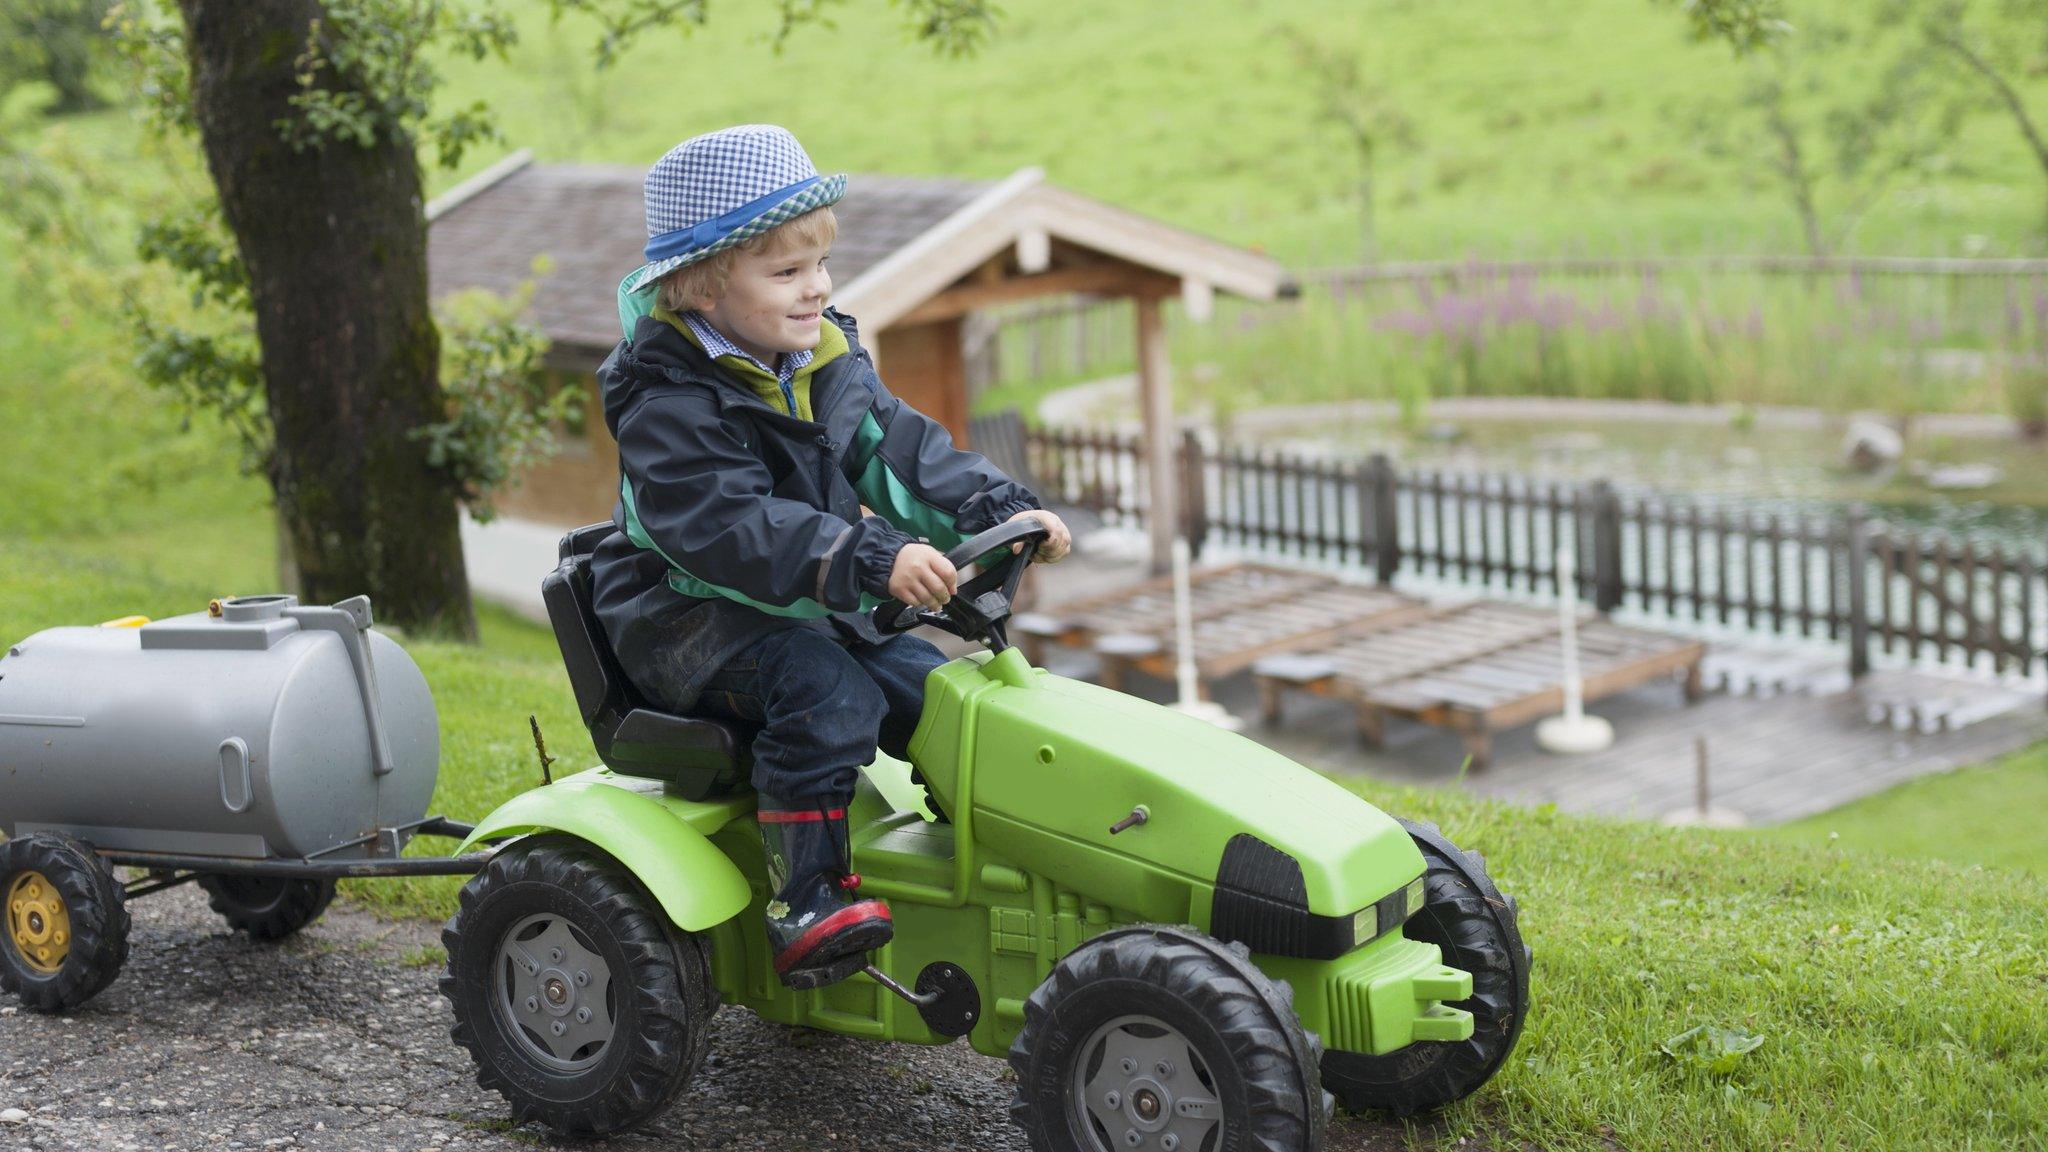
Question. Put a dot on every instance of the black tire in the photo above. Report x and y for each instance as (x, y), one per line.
(658, 998)
(267, 907)
(1141, 986)
(1475, 926)
(64, 924)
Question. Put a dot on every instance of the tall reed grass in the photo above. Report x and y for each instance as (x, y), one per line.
(1913, 343)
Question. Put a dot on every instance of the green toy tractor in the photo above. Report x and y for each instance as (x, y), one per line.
(1181, 940)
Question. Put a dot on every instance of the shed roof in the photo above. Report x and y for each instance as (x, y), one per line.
(587, 220)
(903, 241)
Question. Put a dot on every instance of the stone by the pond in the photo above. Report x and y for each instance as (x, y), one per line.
(1567, 442)
(1869, 446)
(1964, 477)
(13, 1116)
(1443, 433)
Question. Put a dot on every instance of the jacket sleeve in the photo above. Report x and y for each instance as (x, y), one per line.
(911, 473)
(693, 492)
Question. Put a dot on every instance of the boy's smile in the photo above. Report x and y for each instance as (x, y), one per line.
(773, 302)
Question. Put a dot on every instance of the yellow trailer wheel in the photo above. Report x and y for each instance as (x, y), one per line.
(38, 924)
(63, 921)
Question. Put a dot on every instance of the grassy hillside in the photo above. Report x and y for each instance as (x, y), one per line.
(1545, 126)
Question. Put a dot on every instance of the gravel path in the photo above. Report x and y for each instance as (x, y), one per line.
(338, 1039)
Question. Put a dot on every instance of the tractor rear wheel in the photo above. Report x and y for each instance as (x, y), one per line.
(580, 1003)
(1165, 1040)
(266, 907)
(1467, 917)
(63, 922)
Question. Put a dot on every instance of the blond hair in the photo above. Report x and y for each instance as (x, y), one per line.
(707, 277)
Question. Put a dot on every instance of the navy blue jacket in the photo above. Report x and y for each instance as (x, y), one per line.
(735, 519)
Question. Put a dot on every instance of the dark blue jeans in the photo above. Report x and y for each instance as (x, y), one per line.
(821, 707)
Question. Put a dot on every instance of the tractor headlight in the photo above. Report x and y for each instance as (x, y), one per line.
(1262, 902)
(1389, 913)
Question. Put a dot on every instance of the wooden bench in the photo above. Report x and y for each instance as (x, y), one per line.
(1240, 613)
(1475, 669)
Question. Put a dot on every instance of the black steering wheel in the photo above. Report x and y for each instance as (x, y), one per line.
(980, 606)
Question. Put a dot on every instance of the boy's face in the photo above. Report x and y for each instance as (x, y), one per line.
(774, 300)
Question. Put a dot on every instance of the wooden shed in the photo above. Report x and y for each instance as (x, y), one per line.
(915, 257)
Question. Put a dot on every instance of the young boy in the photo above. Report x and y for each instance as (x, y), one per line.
(752, 429)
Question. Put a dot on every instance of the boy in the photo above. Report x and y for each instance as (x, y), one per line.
(752, 428)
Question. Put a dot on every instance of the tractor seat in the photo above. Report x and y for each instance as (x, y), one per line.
(697, 758)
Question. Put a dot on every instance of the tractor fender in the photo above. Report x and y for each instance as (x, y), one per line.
(696, 885)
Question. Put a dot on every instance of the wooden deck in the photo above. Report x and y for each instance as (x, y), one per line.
(1239, 613)
(1809, 747)
(1477, 669)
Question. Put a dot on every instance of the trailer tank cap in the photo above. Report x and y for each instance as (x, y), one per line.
(249, 609)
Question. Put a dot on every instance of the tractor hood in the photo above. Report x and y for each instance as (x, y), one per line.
(1069, 759)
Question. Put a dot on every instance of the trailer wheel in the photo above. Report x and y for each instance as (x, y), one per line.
(267, 907)
(63, 924)
(581, 1005)
(1466, 916)
(1164, 1038)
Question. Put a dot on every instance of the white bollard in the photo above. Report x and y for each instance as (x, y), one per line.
(1574, 731)
(1185, 677)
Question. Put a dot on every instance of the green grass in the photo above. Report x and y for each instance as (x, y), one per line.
(1900, 1001)
(1985, 816)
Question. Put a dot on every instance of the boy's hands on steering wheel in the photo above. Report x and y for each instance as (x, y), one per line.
(922, 577)
(1055, 546)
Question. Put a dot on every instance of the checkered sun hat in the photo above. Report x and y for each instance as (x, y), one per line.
(712, 191)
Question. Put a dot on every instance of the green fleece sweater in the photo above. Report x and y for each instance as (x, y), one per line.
(831, 346)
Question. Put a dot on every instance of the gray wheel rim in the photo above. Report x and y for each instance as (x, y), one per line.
(1140, 1084)
(554, 993)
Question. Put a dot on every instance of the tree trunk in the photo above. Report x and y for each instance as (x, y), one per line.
(1368, 216)
(1791, 165)
(335, 244)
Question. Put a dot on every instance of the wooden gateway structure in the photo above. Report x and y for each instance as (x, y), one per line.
(915, 258)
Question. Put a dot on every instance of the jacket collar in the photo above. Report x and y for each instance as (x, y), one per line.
(658, 348)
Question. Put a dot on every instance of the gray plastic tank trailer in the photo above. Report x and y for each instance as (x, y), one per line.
(261, 748)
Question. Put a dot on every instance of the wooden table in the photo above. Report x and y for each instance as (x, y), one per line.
(1475, 669)
(1240, 613)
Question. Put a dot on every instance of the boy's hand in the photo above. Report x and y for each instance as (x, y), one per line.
(1053, 547)
(922, 577)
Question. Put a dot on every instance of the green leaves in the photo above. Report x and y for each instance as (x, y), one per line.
(501, 408)
(1744, 25)
(952, 27)
(364, 74)
(1712, 1049)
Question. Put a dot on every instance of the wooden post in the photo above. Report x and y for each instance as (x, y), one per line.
(1386, 519)
(1856, 540)
(1606, 513)
(1155, 398)
(1194, 493)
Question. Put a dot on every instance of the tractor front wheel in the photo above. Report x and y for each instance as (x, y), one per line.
(1475, 925)
(63, 922)
(581, 1005)
(1167, 1040)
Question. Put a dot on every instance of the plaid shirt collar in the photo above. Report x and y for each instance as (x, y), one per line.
(716, 345)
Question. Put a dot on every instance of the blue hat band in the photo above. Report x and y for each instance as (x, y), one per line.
(711, 231)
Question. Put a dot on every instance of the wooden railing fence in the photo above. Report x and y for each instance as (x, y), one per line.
(1827, 574)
